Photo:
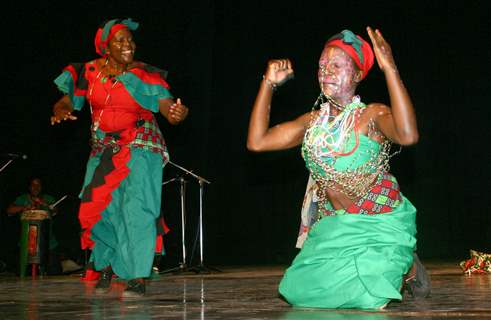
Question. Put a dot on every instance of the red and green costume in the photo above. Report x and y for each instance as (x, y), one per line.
(356, 256)
(121, 194)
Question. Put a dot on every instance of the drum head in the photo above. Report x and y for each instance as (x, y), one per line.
(34, 215)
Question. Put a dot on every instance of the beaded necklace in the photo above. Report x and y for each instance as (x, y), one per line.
(328, 138)
(330, 134)
(103, 80)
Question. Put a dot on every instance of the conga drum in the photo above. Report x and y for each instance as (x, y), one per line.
(34, 240)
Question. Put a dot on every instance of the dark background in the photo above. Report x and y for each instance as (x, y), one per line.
(216, 53)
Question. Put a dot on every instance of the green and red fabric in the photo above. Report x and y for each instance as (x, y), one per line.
(355, 257)
(120, 204)
(121, 195)
(162, 229)
(108, 30)
(383, 197)
(25, 200)
(479, 262)
(353, 260)
(145, 83)
(356, 47)
(73, 83)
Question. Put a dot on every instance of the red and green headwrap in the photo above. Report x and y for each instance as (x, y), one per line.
(358, 49)
(108, 30)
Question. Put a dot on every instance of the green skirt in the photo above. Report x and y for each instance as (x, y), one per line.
(124, 233)
(353, 260)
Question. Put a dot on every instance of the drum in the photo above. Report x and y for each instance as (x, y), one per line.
(34, 215)
(34, 240)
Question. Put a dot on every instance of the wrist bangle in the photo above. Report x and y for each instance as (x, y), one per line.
(272, 85)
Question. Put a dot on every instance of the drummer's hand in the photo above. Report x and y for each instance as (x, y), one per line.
(279, 71)
(37, 201)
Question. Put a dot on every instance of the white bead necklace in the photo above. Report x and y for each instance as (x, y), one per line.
(97, 120)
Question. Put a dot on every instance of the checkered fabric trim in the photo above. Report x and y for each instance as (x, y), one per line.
(382, 198)
(148, 137)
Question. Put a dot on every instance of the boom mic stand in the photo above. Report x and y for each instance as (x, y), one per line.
(3, 265)
(200, 267)
(5, 165)
(12, 157)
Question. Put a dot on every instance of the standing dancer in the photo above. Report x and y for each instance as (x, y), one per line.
(121, 193)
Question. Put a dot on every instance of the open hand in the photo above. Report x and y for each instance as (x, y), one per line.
(61, 113)
(382, 50)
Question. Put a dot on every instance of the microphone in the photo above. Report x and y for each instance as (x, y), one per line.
(15, 156)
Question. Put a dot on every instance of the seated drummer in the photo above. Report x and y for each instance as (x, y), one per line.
(34, 200)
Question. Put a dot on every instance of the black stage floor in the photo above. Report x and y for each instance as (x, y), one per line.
(245, 292)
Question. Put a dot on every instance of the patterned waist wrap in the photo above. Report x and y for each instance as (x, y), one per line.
(145, 135)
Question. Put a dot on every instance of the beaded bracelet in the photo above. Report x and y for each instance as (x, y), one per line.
(272, 85)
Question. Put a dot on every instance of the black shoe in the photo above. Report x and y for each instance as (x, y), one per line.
(135, 289)
(104, 283)
(420, 286)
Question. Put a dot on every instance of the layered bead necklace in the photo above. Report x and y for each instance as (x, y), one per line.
(103, 79)
(329, 137)
(329, 134)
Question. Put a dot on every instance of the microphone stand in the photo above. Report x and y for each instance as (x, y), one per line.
(182, 191)
(6, 164)
(3, 265)
(200, 267)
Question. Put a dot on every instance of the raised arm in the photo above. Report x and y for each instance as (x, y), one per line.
(282, 136)
(398, 123)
